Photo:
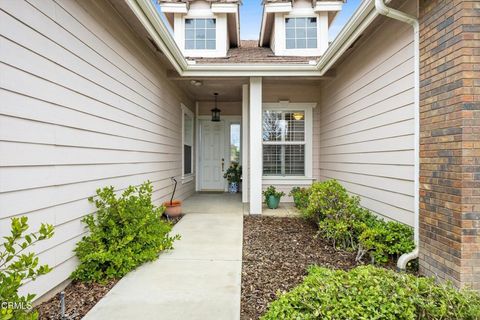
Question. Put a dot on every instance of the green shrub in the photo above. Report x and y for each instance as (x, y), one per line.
(300, 197)
(17, 267)
(329, 199)
(124, 233)
(349, 226)
(368, 292)
(385, 239)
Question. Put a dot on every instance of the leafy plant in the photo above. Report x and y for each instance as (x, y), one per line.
(233, 173)
(349, 226)
(385, 239)
(17, 267)
(272, 191)
(329, 199)
(368, 292)
(125, 232)
(300, 197)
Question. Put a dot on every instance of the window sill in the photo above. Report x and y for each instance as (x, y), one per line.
(287, 180)
(187, 178)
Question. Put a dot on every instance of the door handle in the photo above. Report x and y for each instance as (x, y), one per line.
(223, 164)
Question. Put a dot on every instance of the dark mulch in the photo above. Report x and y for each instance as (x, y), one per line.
(276, 255)
(79, 298)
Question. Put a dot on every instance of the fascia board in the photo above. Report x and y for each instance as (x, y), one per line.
(148, 16)
(224, 7)
(278, 7)
(328, 6)
(174, 7)
(357, 24)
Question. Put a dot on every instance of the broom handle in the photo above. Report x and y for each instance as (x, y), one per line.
(174, 189)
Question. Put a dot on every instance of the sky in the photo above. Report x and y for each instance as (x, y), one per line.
(251, 18)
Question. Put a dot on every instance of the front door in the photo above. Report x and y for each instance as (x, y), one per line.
(212, 152)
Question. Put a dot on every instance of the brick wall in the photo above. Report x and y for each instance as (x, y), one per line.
(450, 140)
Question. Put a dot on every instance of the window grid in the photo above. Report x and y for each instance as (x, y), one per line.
(200, 34)
(283, 143)
(301, 33)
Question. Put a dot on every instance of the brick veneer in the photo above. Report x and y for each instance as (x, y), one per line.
(450, 140)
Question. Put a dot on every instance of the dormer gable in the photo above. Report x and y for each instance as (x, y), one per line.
(203, 28)
(297, 28)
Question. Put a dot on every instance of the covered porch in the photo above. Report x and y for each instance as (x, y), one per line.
(276, 151)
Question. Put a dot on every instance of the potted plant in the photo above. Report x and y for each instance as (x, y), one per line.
(272, 197)
(173, 208)
(233, 176)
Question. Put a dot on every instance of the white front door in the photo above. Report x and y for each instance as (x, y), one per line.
(212, 155)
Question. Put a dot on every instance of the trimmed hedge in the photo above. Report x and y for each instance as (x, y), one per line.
(368, 292)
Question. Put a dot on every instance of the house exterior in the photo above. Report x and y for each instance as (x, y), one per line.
(97, 93)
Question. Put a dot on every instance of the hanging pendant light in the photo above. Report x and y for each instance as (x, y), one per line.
(215, 111)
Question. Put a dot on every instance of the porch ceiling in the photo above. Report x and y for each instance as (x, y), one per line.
(230, 89)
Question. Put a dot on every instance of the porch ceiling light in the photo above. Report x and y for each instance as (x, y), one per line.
(298, 116)
(216, 111)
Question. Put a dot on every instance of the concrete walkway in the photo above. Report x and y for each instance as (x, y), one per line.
(199, 279)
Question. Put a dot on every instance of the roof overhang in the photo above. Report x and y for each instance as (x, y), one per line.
(146, 12)
(270, 8)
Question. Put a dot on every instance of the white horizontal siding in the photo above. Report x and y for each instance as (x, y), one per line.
(366, 123)
(84, 104)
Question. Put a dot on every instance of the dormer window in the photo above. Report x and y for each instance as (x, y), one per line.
(301, 33)
(200, 34)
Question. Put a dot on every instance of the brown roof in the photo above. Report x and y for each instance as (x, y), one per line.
(249, 52)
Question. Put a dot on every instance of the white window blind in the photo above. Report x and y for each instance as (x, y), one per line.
(283, 143)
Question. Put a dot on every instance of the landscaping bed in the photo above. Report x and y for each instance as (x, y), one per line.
(276, 254)
(80, 297)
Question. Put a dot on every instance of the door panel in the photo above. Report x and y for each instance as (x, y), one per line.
(212, 153)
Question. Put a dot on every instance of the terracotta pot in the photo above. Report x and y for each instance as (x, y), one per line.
(173, 209)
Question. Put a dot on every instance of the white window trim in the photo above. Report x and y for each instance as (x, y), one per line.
(308, 109)
(316, 16)
(187, 177)
(207, 51)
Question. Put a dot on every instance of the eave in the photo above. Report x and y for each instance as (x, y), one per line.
(148, 16)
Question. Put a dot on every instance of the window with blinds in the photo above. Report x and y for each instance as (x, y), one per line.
(283, 143)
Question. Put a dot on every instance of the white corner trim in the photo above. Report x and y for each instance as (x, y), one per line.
(187, 178)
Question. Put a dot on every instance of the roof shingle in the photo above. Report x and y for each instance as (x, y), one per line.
(249, 52)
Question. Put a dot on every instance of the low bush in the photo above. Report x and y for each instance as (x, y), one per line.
(18, 267)
(368, 292)
(329, 199)
(300, 197)
(349, 226)
(125, 232)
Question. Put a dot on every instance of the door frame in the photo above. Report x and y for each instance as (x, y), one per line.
(228, 120)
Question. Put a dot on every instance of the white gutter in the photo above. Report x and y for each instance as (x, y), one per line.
(382, 9)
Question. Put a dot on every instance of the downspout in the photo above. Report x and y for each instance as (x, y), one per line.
(382, 9)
